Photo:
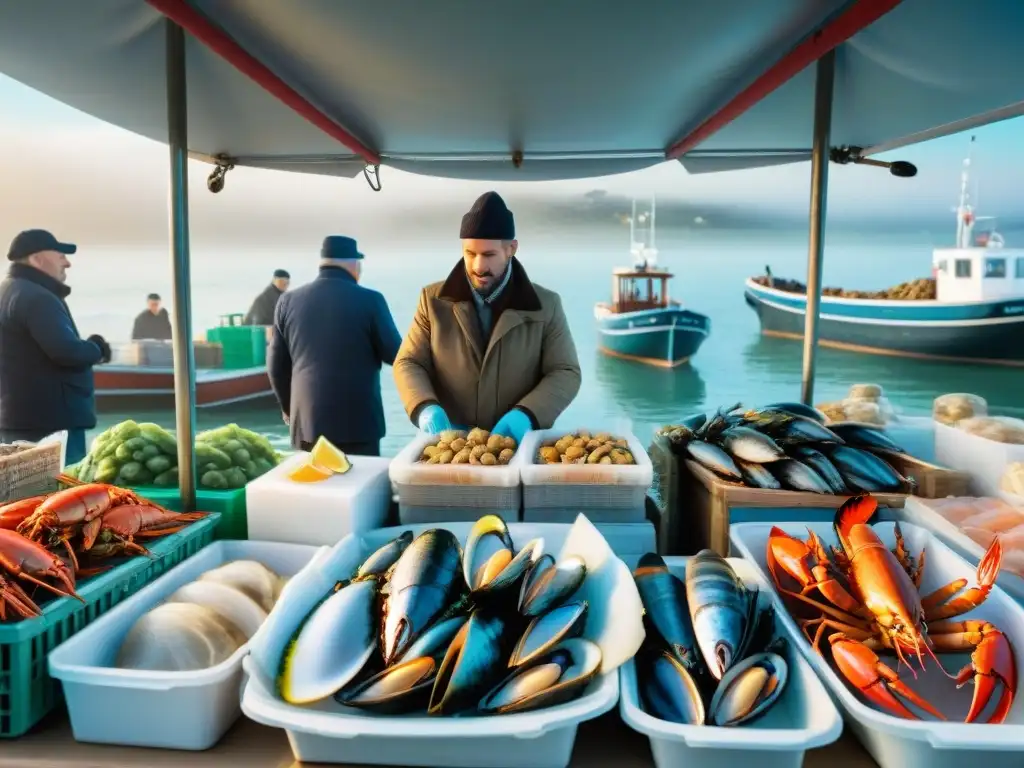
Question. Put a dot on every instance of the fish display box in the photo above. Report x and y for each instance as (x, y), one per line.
(714, 503)
(323, 513)
(326, 732)
(437, 493)
(983, 459)
(27, 692)
(803, 718)
(895, 742)
(169, 710)
(606, 493)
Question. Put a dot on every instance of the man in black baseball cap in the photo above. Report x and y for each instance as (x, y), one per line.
(262, 310)
(46, 382)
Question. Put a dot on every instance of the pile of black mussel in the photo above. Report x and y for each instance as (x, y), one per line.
(789, 445)
(423, 626)
(711, 656)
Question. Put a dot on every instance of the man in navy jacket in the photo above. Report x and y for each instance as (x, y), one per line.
(46, 382)
(330, 339)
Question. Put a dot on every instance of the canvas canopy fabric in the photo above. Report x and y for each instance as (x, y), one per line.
(454, 87)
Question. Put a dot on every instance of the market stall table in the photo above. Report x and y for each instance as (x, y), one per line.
(601, 742)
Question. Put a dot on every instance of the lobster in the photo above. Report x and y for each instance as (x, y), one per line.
(120, 526)
(867, 596)
(29, 561)
(14, 513)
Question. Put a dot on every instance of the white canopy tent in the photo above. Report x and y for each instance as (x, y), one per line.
(532, 90)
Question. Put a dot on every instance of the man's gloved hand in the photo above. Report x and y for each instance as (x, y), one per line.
(514, 424)
(100, 342)
(433, 420)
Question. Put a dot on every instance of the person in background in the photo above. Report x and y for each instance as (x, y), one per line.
(262, 310)
(487, 348)
(768, 274)
(46, 382)
(153, 322)
(329, 342)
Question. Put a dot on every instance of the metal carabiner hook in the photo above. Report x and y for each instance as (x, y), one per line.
(374, 182)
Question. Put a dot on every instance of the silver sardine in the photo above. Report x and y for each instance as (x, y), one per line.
(799, 477)
(720, 610)
(758, 476)
(865, 436)
(817, 461)
(748, 444)
(866, 472)
(714, 458)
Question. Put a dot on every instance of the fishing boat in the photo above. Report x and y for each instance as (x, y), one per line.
(125, 387)
(970, 310)
(642, 323)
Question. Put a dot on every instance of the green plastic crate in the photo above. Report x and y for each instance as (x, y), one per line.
(27, 692)
(230, 505)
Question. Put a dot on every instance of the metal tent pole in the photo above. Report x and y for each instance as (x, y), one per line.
(184, 357)
(826, 70)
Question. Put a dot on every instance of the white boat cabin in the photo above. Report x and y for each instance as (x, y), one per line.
(978, 274)
(640, 289)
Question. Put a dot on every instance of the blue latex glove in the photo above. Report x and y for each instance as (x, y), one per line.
(433, 420)
(514, 424)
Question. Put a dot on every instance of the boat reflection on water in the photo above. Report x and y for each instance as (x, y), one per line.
(649, 397)
(911, 385)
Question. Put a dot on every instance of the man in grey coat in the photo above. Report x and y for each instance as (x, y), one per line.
(330, 339)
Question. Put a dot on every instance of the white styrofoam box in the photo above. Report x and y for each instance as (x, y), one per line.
(329, 733)
(278, 509)
(803, 718)
(915, 435)
(169, 710)
(430, 493)
(916, 512)
(628, 516)
(585, 487)
(894, 742)
(984, 459)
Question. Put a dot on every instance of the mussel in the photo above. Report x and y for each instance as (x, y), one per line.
(474, 659)
(555, 677)
(668, 690)
(748, 690)
(723, 611)
(332, 645)
(490, 562)
(798, 409)
(865, 436)
(664, 599)
(435, 641)
(378, 563)
(425, 582)
(549, 584)
(401, 688)
(548, 630)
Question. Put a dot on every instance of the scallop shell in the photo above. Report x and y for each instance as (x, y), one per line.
(179, 637)
(232, 604)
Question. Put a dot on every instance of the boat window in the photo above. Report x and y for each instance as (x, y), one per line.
(995, 267)
(963, 267)
(1020, 267)
(943, 266)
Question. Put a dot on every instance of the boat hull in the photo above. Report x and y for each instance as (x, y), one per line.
(664, 338)
(981, 332)
(123, 386)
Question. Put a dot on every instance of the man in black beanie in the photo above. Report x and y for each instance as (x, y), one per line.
(262, 310)
(487, 348)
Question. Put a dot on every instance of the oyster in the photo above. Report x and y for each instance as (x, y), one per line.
(469, 667)
(545, 632)
(331, 646)
(549, 584)
(490, 562)
(558, 676)
(748, 689)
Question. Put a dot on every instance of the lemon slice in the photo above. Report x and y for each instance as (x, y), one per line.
(329, 457)
(309, 473)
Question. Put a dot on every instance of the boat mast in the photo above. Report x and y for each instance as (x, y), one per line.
(964, 211)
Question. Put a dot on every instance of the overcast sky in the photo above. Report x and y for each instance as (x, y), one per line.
(70, 172)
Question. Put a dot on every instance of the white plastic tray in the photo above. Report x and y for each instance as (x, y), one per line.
(984, 459)
(407, 469)
(329, 733)
(170, 710)
(916, 512)
(804, 717)
(894, 742)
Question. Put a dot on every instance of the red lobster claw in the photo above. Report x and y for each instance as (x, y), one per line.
(991, 663)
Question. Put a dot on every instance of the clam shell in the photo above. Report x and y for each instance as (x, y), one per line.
(396, 690)
(545, 632)
(435, 641)
(669, 691)
(381, 560)
(749, 689)
(470, 665)
(248, 576)
(232, 604)
(560, 675)
(331, 646)
(549, 584)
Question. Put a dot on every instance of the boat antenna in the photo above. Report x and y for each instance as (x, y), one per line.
(215, 181)
(654, 208)
(965, 211)
(855, 155)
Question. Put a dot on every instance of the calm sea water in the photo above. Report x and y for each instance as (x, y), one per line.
(735, 363)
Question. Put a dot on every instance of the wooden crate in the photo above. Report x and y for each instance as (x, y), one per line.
(695, 505)
(28, 470)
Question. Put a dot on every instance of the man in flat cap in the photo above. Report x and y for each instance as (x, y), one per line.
(153, 322)
(329, 342)
(46, 382)
(487, 348)
(262, 310)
